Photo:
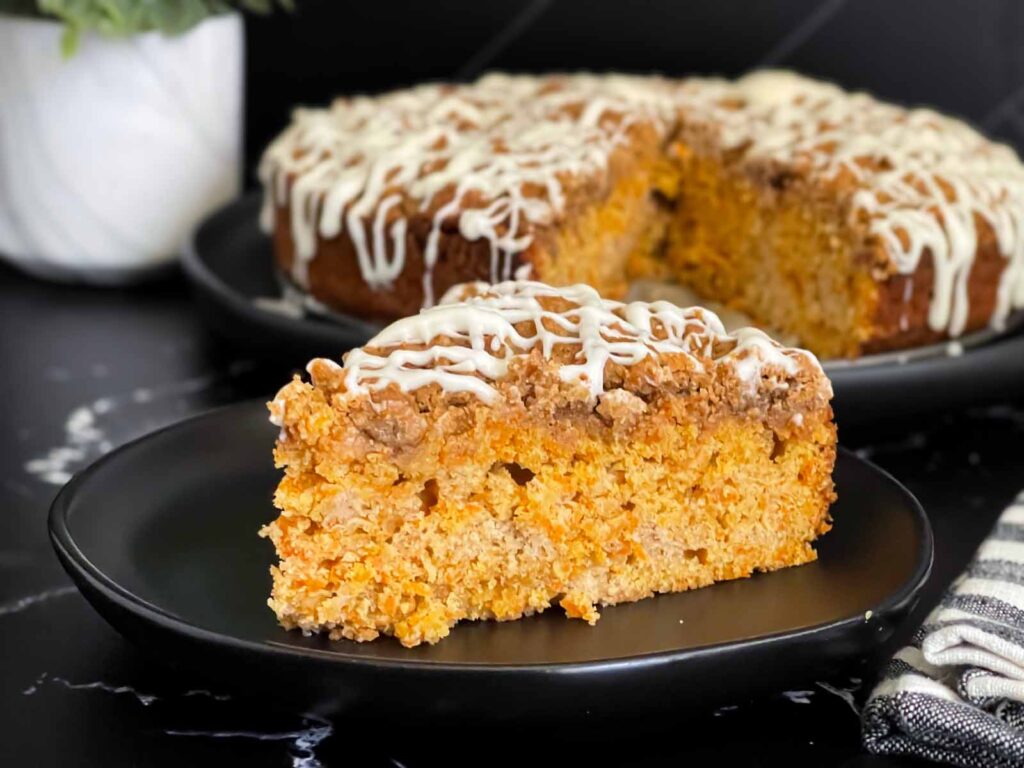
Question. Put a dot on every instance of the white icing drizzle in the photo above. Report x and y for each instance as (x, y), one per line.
(921, 179)
(468, 340)
(492, 158)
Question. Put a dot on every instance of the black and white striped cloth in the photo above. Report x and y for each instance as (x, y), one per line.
(956, 693)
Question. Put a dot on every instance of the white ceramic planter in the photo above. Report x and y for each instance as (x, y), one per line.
(109, 158)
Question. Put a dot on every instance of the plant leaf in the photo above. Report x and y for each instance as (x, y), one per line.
(120, 18)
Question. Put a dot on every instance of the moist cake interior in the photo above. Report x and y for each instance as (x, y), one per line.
(770, 252)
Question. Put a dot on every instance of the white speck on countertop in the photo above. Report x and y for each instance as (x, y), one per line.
(19, 605)
(142, 395)
(81, 433)
(798, 697)
(86, 439)
(103, 405)
(304, 741)
(207, 694)
(145, 699)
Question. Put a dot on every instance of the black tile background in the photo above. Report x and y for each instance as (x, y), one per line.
(962, 56)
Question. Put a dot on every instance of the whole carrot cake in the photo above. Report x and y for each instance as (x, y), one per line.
(520, 445)
(848, 223)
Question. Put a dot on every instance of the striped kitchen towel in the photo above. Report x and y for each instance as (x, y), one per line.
(956, 693)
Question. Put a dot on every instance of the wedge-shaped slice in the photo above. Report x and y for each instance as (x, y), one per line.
(526, 445)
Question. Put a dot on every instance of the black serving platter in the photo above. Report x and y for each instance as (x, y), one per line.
(231, 267)
(160, 536)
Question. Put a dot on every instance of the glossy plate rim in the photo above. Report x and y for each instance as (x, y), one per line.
(93, 582)
(341, 330)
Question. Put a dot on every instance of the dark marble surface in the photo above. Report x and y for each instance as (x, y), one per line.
(85, 370)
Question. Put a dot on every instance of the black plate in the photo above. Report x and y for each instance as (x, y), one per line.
(230, 265)
(160, 536)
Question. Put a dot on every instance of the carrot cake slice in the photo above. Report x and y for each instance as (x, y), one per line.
(832, 217)
(519, 445)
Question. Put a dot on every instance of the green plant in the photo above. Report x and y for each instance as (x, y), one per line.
(120, 18)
